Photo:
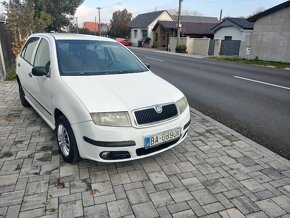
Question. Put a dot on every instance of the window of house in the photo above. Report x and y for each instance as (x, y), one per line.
(156, 37)
(228, 37)
(135, 34)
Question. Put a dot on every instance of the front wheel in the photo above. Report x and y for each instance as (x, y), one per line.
(66, 141)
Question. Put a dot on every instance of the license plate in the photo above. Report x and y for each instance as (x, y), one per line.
(160, 138)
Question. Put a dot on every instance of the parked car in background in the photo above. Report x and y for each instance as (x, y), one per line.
(124, 41)
(102, 101)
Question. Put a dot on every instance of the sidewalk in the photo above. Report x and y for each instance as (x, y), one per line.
(167, 52)
(215, 172)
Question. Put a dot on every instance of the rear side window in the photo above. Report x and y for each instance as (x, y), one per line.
(29, 49)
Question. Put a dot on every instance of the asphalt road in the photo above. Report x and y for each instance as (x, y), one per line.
(253, 100)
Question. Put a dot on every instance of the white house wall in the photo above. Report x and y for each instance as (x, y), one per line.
(139, 36)
(236, 34)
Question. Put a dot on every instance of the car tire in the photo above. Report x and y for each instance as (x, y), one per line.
(23, 101)
(66, 141)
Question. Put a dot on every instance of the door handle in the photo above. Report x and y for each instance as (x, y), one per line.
(18, 64)
(30, 74)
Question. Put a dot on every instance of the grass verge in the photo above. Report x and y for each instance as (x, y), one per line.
(254, 61)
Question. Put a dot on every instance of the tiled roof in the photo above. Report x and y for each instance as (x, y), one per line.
(195, 19)
(92, 26)
(188, 28)
(241, 23)
(143, 20)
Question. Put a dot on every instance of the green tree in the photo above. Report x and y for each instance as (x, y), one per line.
(30, 16)
(62, 12)
(119, 24)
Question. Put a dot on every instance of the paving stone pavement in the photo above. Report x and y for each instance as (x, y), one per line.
(215, 172)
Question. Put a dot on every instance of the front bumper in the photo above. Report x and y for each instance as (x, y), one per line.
(92, 140)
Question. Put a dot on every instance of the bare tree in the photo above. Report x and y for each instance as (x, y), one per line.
(184, 12)
(258, 10)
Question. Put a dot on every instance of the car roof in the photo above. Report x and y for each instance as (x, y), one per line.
(73, 36)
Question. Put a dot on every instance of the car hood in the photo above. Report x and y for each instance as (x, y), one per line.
(121, 92)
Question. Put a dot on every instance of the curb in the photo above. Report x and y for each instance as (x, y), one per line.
(169, 53)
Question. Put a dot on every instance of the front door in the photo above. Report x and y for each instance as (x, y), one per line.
(42, 84)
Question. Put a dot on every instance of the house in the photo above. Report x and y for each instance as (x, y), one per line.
(270, 39)
(93, 27)
(142, 25)
(233, 29)
(163, 30)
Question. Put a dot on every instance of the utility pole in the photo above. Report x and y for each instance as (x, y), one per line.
(95, 25)
(179, 22)
(99, 9)
(77, 25)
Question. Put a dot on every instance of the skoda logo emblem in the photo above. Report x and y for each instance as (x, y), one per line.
(158, 109)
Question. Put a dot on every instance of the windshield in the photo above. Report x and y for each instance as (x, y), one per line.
(88, 57)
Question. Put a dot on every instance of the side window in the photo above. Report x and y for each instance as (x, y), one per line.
(29, 49)
(42, 57)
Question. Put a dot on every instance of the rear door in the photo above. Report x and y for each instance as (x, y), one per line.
(25, 65)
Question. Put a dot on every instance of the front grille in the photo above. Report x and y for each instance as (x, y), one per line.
(148, 116)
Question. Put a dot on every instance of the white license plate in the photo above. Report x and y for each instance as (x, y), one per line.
(160, 138)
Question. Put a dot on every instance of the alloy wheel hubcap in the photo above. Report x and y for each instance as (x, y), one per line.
(63, 140)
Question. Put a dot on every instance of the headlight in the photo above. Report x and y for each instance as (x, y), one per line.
(111, 119)
(182, 104)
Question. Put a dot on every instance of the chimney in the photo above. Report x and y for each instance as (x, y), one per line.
(221, 15)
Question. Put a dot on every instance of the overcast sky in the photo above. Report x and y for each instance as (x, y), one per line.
(235, 8)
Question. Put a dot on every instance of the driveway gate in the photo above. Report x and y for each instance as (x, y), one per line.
(230, 47)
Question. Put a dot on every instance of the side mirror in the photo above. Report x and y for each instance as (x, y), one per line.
(147, 65)
(39, 71)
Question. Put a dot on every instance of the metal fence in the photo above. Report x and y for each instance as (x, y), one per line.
(7, 59)
(230, 47)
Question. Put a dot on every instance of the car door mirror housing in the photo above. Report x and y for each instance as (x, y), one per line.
(39, 71)
(147, 65)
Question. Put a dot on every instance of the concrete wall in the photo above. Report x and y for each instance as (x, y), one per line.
(173, 43)
(217, 47)
(236, 34)
(271, 37)
(198, 46)
(201, 46)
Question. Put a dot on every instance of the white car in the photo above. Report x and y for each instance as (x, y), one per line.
(102, 101)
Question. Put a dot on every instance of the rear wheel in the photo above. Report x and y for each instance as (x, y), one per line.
(66, 141)
(23, 101)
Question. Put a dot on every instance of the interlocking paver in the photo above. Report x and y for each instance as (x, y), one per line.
(97, 211)
(145, 210)
(271, 208)
(214, 172)
(231, 213)
(119, 208)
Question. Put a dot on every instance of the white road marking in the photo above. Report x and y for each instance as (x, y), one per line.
(265, 83)
(155, 59)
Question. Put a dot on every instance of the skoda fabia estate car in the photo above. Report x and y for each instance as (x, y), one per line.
(102, 101)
